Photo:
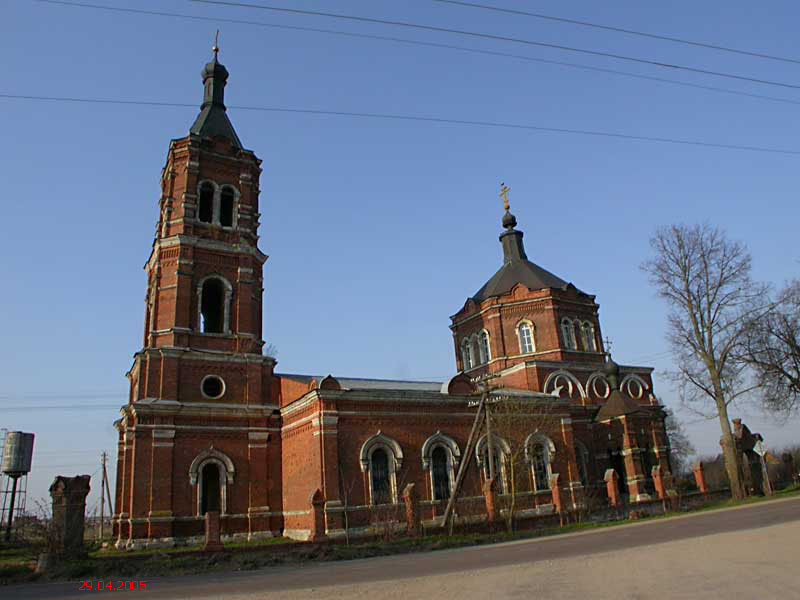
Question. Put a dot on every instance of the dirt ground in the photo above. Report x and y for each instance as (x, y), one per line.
(755, 563)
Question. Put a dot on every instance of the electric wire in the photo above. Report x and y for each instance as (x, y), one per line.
(424, 119)
(655, 36)
(407, 41)
(500, 38)
(58, 407)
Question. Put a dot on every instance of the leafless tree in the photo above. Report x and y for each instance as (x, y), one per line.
(705, 279)
(680, 448)
(513, 419)
(772, 348)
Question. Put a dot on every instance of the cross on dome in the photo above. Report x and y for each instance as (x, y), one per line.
(504, 192)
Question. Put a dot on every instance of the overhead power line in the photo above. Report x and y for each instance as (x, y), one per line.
(406, 41)
(499, 38)
(654, 36)
(57, 395)
(60, 407)
(419, 118)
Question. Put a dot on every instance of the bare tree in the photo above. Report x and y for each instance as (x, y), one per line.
(705, 279)
(514, 418)
(772, 348)
(680, 448)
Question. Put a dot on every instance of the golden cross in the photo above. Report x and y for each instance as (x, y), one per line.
(504, 191)
(216, 43)
(608, 345)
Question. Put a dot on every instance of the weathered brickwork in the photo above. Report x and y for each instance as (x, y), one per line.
(211, 428)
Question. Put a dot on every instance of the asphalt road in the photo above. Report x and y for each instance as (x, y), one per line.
(317, 575)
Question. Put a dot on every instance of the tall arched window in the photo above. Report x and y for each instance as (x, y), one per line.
(205, 205)
(440, 473)
(466, 354)
(568, 334)
(499, 474)
(212, 306)
(226, 201)
(440, 456)
(475, 350)
(525, 332)
(588, 337)
(540, 462)
(381, 458)
(379, 477)
(483, 344)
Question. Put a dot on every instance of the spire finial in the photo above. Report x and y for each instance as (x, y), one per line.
(215, 47)
(607, 343)
(504, 192)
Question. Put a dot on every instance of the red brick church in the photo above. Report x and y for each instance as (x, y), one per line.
(210, 425)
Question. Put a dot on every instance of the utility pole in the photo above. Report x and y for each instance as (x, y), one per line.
(472, 441)
(102, 496)
(489, 443)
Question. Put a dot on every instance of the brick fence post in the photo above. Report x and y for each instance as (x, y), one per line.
(69, 507)
(411, 501)
(658, 483)
(491, 501)
(555, 492)
(317, 531)
(700, 477)
(612, 487)
(212, 543)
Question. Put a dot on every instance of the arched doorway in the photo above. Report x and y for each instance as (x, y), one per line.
(618, 464)
(211, 498)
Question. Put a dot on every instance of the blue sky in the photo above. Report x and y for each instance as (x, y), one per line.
(377, 230)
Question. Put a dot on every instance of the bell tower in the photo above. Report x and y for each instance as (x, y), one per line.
(205, 269)
(200, 386)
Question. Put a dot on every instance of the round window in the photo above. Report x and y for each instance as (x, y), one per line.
(212, 387)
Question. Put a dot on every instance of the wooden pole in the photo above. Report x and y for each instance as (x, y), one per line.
(489, 443)
(462, 468)
(102, 496)
(108, 493)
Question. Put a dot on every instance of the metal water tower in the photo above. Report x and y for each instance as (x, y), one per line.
(17, 457)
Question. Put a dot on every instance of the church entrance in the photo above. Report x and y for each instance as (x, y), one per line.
(618, 464)
(649, 460)
(211, 499)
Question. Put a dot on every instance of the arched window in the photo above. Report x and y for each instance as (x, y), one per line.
(568, 334)
(501, 453)
(213, 307)
(440, 456)
(440, 473)
(540, 463)
(466, 354)
(211, 497)
(582, 458)
(588, 337)
(499, 475)
(525, 332)
(226, 201)
(379, 477)
(381, 458)
(483, 344)
(475, 350)
(205, 207)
